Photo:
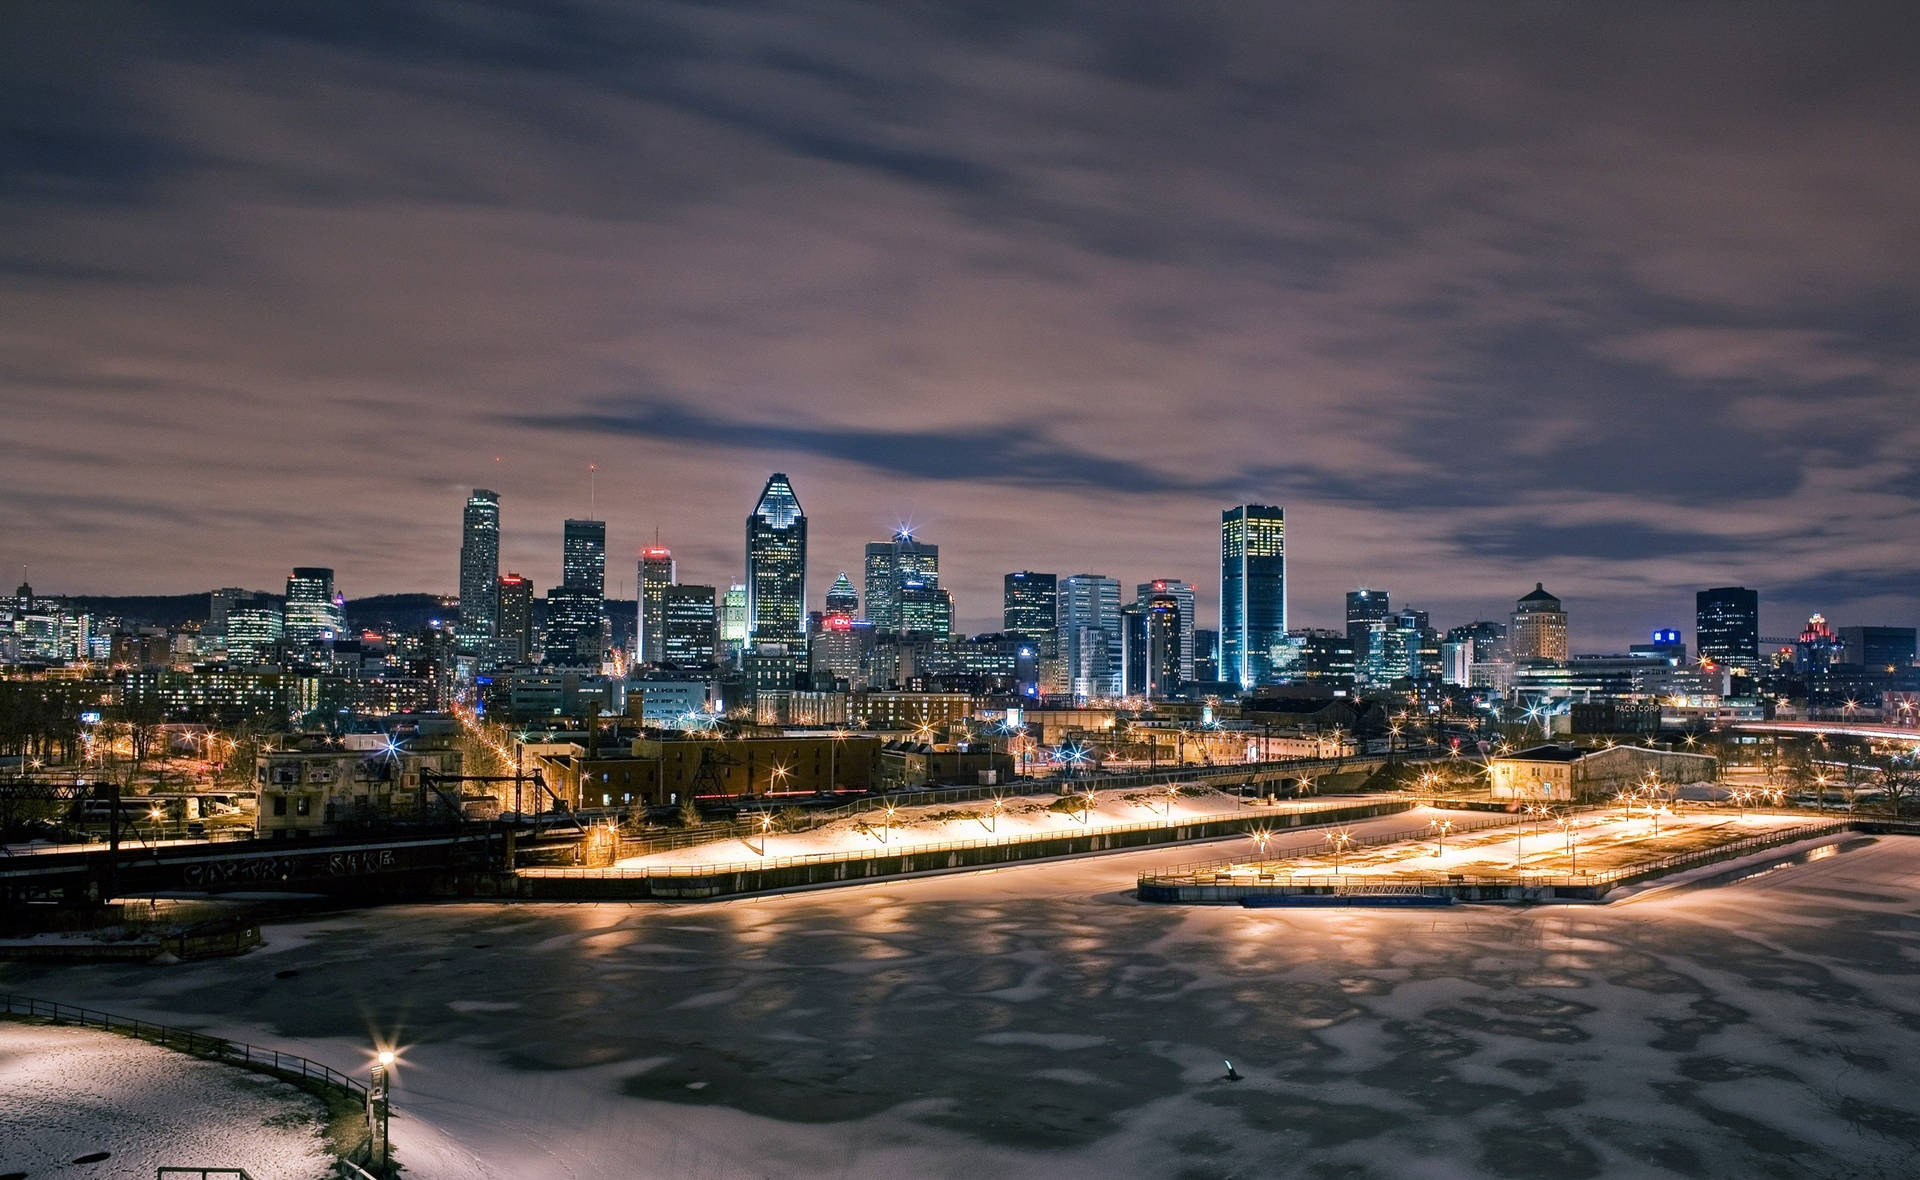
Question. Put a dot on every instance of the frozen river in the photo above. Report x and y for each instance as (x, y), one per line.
(1036, 1021)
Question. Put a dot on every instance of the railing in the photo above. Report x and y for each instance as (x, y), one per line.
(201, 1173)
(1214, 873)
(884, 850)
(1405, 836)
(186, 1041)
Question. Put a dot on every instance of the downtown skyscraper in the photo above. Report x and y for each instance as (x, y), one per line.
(656, 572)
(891, 566)
(479, 570)
(1090, 639)
(1727, 627)
(1253, 591)
(777, 564)
(576, 608)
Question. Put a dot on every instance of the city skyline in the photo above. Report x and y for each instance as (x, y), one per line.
(1468, 350)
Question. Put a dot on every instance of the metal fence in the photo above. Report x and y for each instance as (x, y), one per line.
(813, 818)
(1406, 835)
(199, 1044)
(1214, 873)
(704, 870)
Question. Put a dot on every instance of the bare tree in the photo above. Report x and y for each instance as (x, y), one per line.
(1898, 779)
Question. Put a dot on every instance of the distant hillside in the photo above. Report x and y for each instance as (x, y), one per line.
(159, 610)
(401, 612)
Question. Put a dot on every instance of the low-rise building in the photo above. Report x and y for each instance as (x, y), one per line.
(322, 788)
(1566, 774)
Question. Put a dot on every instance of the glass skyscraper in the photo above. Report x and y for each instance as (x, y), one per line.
(777, 564)
(311, 613)
(1727, 627)
(1030, 604)
(657, 572)
(1090, 639)
(1253, 591)
(479, 569)
(576, 608)
(890, 566)
(583, 556)
(1182, 593)
(1367, 612)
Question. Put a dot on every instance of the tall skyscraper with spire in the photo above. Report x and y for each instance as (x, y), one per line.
(777, 564)
(1253, 591)
(479, 570)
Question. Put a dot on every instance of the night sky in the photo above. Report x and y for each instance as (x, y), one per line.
(1619, 298)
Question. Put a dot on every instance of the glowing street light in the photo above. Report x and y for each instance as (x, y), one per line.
(886, 830)
(1173, 791)
(1440, 829)
(1086, 807)
(1260, 838)
(1340, 839)
(766, 825)
(380, 1103)
(993, 814)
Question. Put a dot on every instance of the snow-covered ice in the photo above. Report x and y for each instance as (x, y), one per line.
(1036, 1021)
(70, 1092)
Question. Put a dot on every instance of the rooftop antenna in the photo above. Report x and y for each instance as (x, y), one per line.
(593, 490)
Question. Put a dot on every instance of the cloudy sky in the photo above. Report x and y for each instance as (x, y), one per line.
(1619, 298)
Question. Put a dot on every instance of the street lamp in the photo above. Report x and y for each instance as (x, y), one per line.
(1173, 790)
(994, 815)
(1567, 825)
(1339, 838)
(886, 831)
(1260, 838)
(380, 1104)
(1440, 828)
(766, 825)
(1086, 807)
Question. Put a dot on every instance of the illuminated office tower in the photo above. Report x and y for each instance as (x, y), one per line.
(688, 626)
(1090, 640)
(1150, 647)
(733, 621)
(1367, 612)
(1727, 627)
(1181, 593)
(513, 620)
(479, 569)
(922, 611)
(1538, 630)
(583, 556)
(312, 612)
(1030, 605)
(891, 565)
(656, 573)
(1253, 591)
(841, 598)
(777, 564)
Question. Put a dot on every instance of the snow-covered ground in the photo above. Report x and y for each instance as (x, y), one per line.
(1035, 1021)
(70, 1092)
(1022, 817)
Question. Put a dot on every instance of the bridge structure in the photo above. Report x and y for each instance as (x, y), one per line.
(363, 864)
(1861, 729)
